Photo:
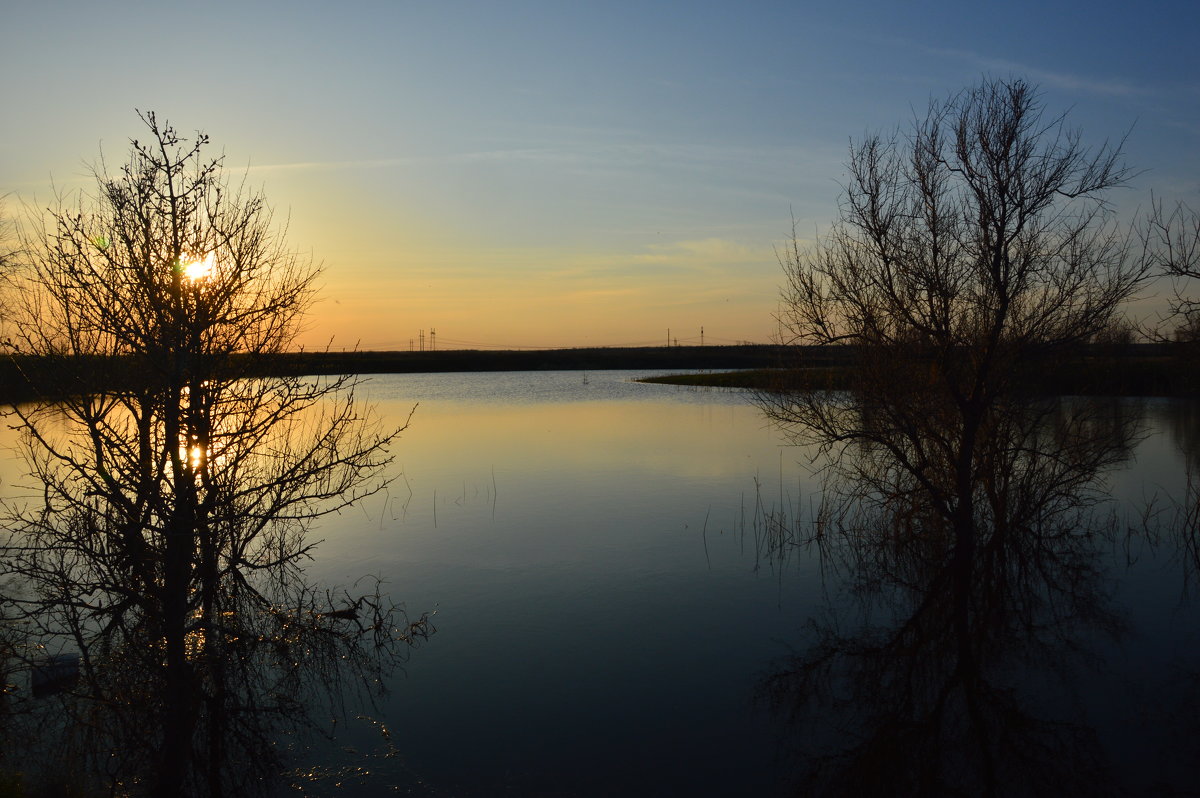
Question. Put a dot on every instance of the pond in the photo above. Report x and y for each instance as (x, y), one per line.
(602, 611)
(608, 605)
(614, 573)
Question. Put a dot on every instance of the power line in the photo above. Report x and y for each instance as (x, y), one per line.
(420, 343)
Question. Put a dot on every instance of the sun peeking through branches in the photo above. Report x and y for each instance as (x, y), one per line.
(198, 269)
(179, 485)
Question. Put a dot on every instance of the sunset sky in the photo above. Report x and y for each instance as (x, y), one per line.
(542, 174)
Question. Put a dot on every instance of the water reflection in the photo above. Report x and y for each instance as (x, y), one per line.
(588, 646)
(1175, 526)
(1183, 513)
(946, 664)
(260, 681)
(160, 632)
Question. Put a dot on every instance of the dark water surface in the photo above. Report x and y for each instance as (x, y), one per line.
(623, 608)
(601, 615)
(609, 610)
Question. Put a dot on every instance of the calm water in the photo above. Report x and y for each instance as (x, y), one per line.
(601, 615)
(607, 610)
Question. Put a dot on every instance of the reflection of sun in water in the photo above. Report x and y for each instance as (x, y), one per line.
(199, 269)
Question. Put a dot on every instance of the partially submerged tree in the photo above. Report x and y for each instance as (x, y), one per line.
(975, 243)
(175, 488)
(969, 253)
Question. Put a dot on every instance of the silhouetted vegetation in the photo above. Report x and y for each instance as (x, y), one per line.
(28, 377)
(946, 660)
(1174, 237)
(975, 267)
(977, 245)
(1129, 370)
(153, 583)
(1090, 370)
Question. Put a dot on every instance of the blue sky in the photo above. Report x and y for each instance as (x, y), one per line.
(556, 173)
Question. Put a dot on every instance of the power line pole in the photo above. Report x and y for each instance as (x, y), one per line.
(668, 338)
(701, 335)
(433, 339)
(421, 336)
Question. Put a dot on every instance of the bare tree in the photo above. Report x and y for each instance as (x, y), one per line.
(1173, 239)
(174, 487)
(969, 252)
(973, 244)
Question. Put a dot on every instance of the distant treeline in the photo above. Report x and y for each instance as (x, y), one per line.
(1131, 369)
(586, 359)
(25, 377)
(1109, 370)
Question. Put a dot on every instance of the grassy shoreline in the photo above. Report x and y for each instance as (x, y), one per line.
(1134, 370)
(24, 377)
(1145, 375)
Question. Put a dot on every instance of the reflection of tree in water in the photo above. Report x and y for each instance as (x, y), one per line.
(259, 684)
(1177, 526)
(971, 255)
(934, 667)
(153, 584)
(1183, 420)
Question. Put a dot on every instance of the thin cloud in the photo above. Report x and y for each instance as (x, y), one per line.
(514, 154)
(1060, 80)
(314, 166)
(707, 251)
(605, 154)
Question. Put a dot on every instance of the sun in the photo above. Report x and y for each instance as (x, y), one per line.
(199, 269)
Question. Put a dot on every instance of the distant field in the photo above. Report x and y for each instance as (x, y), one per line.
(23, 377)
(1130, 374)
(750, 378)
(1135, 370)
(760, 379)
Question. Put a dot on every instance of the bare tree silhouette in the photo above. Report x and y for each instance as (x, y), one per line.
(972, 247)
(976, 244)
(1174, 238)
(174, 490)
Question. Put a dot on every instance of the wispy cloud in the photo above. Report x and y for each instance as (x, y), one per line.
(521, 155)
(316, 166)
(1107, 86)
(589, 153)
(707, 251)
(1111, 87)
